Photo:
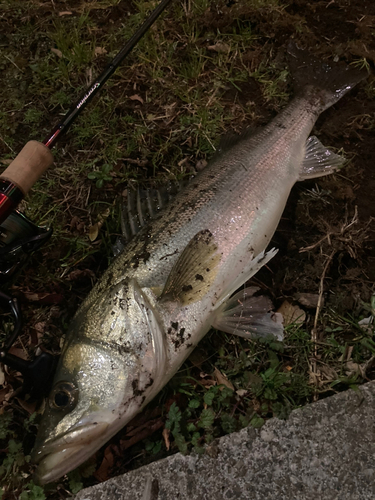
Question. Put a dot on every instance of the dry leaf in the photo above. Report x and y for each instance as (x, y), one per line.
(102, 473)
(241, 392)
(3, 394)
(29, 407)
(44, 298)
(222, 379)
(99, 51)
(20, 353)
(220, 47)
(80, 274)
(200, 165)
(93, 232)
(327, 373)
(358, 369)
(94, 229)
(166, 433)
(65, 13)
(57, 52)
(308, 299)
(6, 162)
(367, 324)
(136, 97)
(291, 313)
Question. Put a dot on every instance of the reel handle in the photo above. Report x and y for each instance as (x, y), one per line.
(19, 177)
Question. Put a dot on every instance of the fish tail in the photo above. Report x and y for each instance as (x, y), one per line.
(327, 82)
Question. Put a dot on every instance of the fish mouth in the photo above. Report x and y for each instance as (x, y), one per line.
(59, 456)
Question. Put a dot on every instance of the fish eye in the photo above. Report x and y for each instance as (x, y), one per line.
(64, 396)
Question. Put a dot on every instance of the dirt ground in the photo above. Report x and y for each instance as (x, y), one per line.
(326, 236)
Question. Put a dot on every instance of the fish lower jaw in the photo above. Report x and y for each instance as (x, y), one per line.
(62, 455)
(54, 465)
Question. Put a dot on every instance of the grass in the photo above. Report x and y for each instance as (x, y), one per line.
(202, 71)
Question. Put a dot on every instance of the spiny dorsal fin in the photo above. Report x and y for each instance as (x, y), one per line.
(194, 272)
(144, 205)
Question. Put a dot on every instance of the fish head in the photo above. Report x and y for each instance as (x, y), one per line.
(101, 382)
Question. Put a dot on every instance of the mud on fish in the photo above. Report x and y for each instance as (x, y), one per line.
(176, 278)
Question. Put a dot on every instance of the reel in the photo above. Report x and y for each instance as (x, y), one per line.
(19, 237)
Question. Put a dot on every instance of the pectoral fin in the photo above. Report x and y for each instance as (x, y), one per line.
(194, 272)
(249, 316)
(319, 160)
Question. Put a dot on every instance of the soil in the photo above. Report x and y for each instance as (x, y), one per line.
(326, 236)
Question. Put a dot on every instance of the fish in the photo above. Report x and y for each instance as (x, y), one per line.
(179, 275)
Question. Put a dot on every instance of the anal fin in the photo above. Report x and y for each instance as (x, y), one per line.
(249, 316)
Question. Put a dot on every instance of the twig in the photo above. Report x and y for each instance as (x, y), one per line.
(7, 145)
(318, 307)
(306, 249)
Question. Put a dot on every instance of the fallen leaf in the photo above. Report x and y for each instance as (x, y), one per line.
(200, 165)
(79, 274)
(222, 379)
(206, 380)
(328, 373)
(358, 369)
(44, 298)
(220, 47)
(19, 353)
(367, 324)
(142, 432)
(40, 329)
(102, 473)
(3, 393)
(241, 392)
(94, 229)
(308, 299)
(291, 313)
(57, 52)
(166, 433)
(29, 407)
(99, 51)
(6, 162)
(93, 232)
(136, 97)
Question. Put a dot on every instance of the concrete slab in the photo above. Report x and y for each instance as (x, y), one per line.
(325, 450)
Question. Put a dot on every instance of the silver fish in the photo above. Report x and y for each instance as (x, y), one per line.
(176, 278)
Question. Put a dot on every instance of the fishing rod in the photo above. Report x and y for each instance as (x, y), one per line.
(35, 158)
(19, 236)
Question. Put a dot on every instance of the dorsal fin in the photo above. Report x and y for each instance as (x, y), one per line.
(141, 206)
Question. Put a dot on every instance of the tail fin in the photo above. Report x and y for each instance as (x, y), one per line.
(329, 82)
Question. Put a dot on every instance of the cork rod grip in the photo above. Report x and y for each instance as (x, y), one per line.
(28, 166)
